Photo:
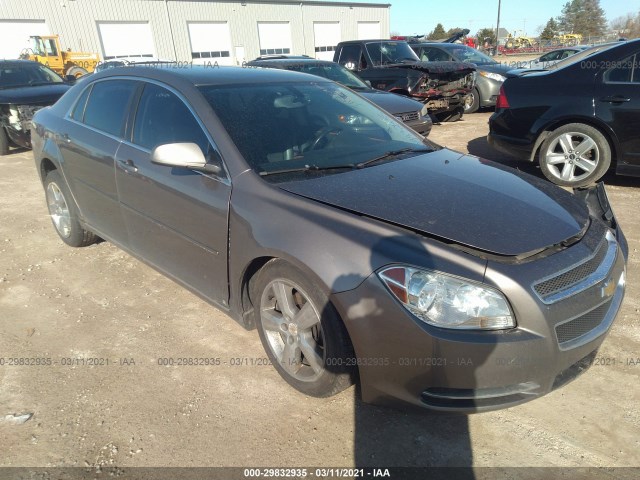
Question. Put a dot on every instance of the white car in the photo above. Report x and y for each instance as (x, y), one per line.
(553, 57)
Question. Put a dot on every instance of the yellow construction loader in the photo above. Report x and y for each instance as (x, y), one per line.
(47, 51)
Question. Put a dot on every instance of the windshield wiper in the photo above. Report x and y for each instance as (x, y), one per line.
(306, 168)
(391, 154)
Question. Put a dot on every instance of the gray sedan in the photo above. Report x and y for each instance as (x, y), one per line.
(357, 248)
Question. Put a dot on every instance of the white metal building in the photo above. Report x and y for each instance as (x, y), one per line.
(228, 32)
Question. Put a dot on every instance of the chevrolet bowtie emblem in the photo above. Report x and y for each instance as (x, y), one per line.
(608, 288)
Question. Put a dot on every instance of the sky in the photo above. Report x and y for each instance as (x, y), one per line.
(418, 17)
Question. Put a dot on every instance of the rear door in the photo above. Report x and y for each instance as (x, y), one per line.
(88, 141)
(176, 217)
(617, 102)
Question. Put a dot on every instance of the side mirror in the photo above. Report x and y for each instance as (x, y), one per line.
(182, 155)
(368, 82)
(70, 79)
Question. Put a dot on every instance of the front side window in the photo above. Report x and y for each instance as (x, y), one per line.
(107, 106)
(292, 125)
(163, 118)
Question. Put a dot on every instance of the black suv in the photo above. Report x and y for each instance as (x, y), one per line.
(576, 120)
(411, 112)
(25, 87)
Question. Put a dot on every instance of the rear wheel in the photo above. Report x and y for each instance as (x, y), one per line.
(4, 142)
(301, 332)
(575, 155)
(64, 213)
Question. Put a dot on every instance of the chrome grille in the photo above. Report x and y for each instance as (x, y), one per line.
(581, 325)
(408, 117)
(572, 277)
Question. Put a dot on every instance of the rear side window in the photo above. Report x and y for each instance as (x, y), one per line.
(624, 71)
(78, 110)
(106, 109)
(163, 118)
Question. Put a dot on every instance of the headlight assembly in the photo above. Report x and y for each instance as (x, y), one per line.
(493, 76)
(448, 302)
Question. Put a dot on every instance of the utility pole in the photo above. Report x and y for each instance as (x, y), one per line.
(498, 26)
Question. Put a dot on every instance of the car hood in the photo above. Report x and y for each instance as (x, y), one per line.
(40, 94)
(391, 102)
(456, 198)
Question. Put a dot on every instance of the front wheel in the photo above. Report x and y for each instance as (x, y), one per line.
(472, 103)
(64, 213)
(301, 331)
(575, 155)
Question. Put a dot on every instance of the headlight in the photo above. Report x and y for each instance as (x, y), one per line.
(493, 76)
(448, 302)
(424, 112)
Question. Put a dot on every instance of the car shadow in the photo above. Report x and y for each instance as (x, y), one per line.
(481, 148)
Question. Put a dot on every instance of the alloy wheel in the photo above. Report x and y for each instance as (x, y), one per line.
(572, 156)
(59, 210)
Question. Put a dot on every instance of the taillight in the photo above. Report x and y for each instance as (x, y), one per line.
(502, 101)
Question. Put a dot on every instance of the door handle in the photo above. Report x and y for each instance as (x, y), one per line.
(128, 165)
(615, 99)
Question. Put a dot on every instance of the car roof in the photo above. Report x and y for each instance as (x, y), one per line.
(209, 75)
(290, 61)
(18, 62)
(346, 42)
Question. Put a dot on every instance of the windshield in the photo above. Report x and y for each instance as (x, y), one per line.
(462, 53)
(582, 55)
(332, 71)
(26, 74)
(384, 53)
(288, 126)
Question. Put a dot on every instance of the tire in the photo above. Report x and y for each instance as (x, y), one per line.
(474, 105)
(306, 342)
(76, 71)
(4, 142)
(563, 159)
(64, 212)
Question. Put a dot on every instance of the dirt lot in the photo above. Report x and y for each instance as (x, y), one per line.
(72, 305)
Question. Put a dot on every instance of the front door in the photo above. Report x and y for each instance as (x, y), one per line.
(176, 217)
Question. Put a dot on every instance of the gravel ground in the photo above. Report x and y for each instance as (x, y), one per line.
(72, 305)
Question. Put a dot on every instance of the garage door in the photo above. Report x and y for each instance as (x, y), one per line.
(275, 38)
(326, 36)
(126, 40)
(15, 36)
(368, 30)
(211, 43)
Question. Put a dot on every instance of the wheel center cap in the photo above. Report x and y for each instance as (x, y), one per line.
(572, 156)
(292, 328)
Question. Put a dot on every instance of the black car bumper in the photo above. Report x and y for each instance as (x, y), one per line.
(513, 147)
(21, 138)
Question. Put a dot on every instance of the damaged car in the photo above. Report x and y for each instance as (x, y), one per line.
(359, 250)
(444, 87)
(25, 87)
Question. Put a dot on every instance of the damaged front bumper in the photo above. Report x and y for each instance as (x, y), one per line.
(16, 120)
